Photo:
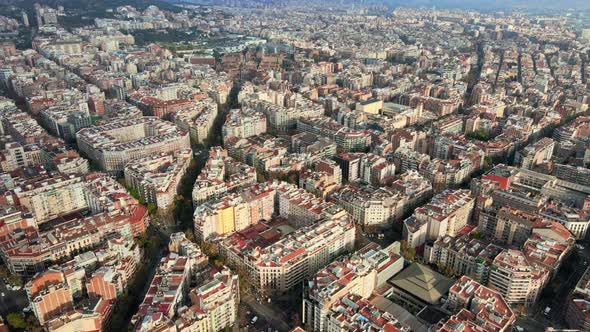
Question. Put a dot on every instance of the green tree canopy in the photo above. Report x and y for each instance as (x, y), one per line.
(16, 320)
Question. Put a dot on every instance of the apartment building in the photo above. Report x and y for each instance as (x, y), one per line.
(315, 146)
(22, 127)
(536, 153)
(376, 170)
(285, 263)
(415, 232)
(346, 139)
(406, 159)
(318, 183)
(157, 177)
(49, 197)
(91, 315)
(243, 123)
(322, 179)
(547, 251)
(517, 279)
(301, 208)
(214, 304)
(13, 219)
(350, 165)
(478, 307)
(508, 225)
(106, 283)
(353, 313)
(262, 152)
(221, 174)
(168, 288)
(16, 155)
(415, 188)
(282, 116)
(234, 212)
(463, 255)
(371, 207)
(29, 250)
(360, 274)
(113, 145)
(578, 306)
(575, 220)
(49, 295)
(197, 120)
(446, 214)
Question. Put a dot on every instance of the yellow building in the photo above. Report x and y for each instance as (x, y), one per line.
(225, 220)
(371, 106)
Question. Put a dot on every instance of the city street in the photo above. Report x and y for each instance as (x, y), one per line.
(536, 320)
(12, 301)
(269, 312)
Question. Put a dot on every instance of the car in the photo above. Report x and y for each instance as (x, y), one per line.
(547, 310)
(2, 294)
(254, 320)
(518, 328)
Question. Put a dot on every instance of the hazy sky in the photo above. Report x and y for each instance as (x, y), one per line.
(483, 4)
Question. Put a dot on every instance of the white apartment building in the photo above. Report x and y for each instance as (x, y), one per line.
(516, 279)
(287, 262)
(365, 270)
(243, 123)
(157, 177)
(51, 197)
(372, 207)
(214, 304)
(114, 144)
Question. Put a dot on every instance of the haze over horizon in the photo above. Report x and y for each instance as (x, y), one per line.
(451, 4)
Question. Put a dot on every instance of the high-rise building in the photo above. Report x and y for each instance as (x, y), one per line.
(25, 19)
(516, 279)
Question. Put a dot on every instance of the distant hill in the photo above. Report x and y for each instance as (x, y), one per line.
(80, 12)
(96, 4)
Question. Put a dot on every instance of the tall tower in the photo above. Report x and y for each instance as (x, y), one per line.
(25, 19)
